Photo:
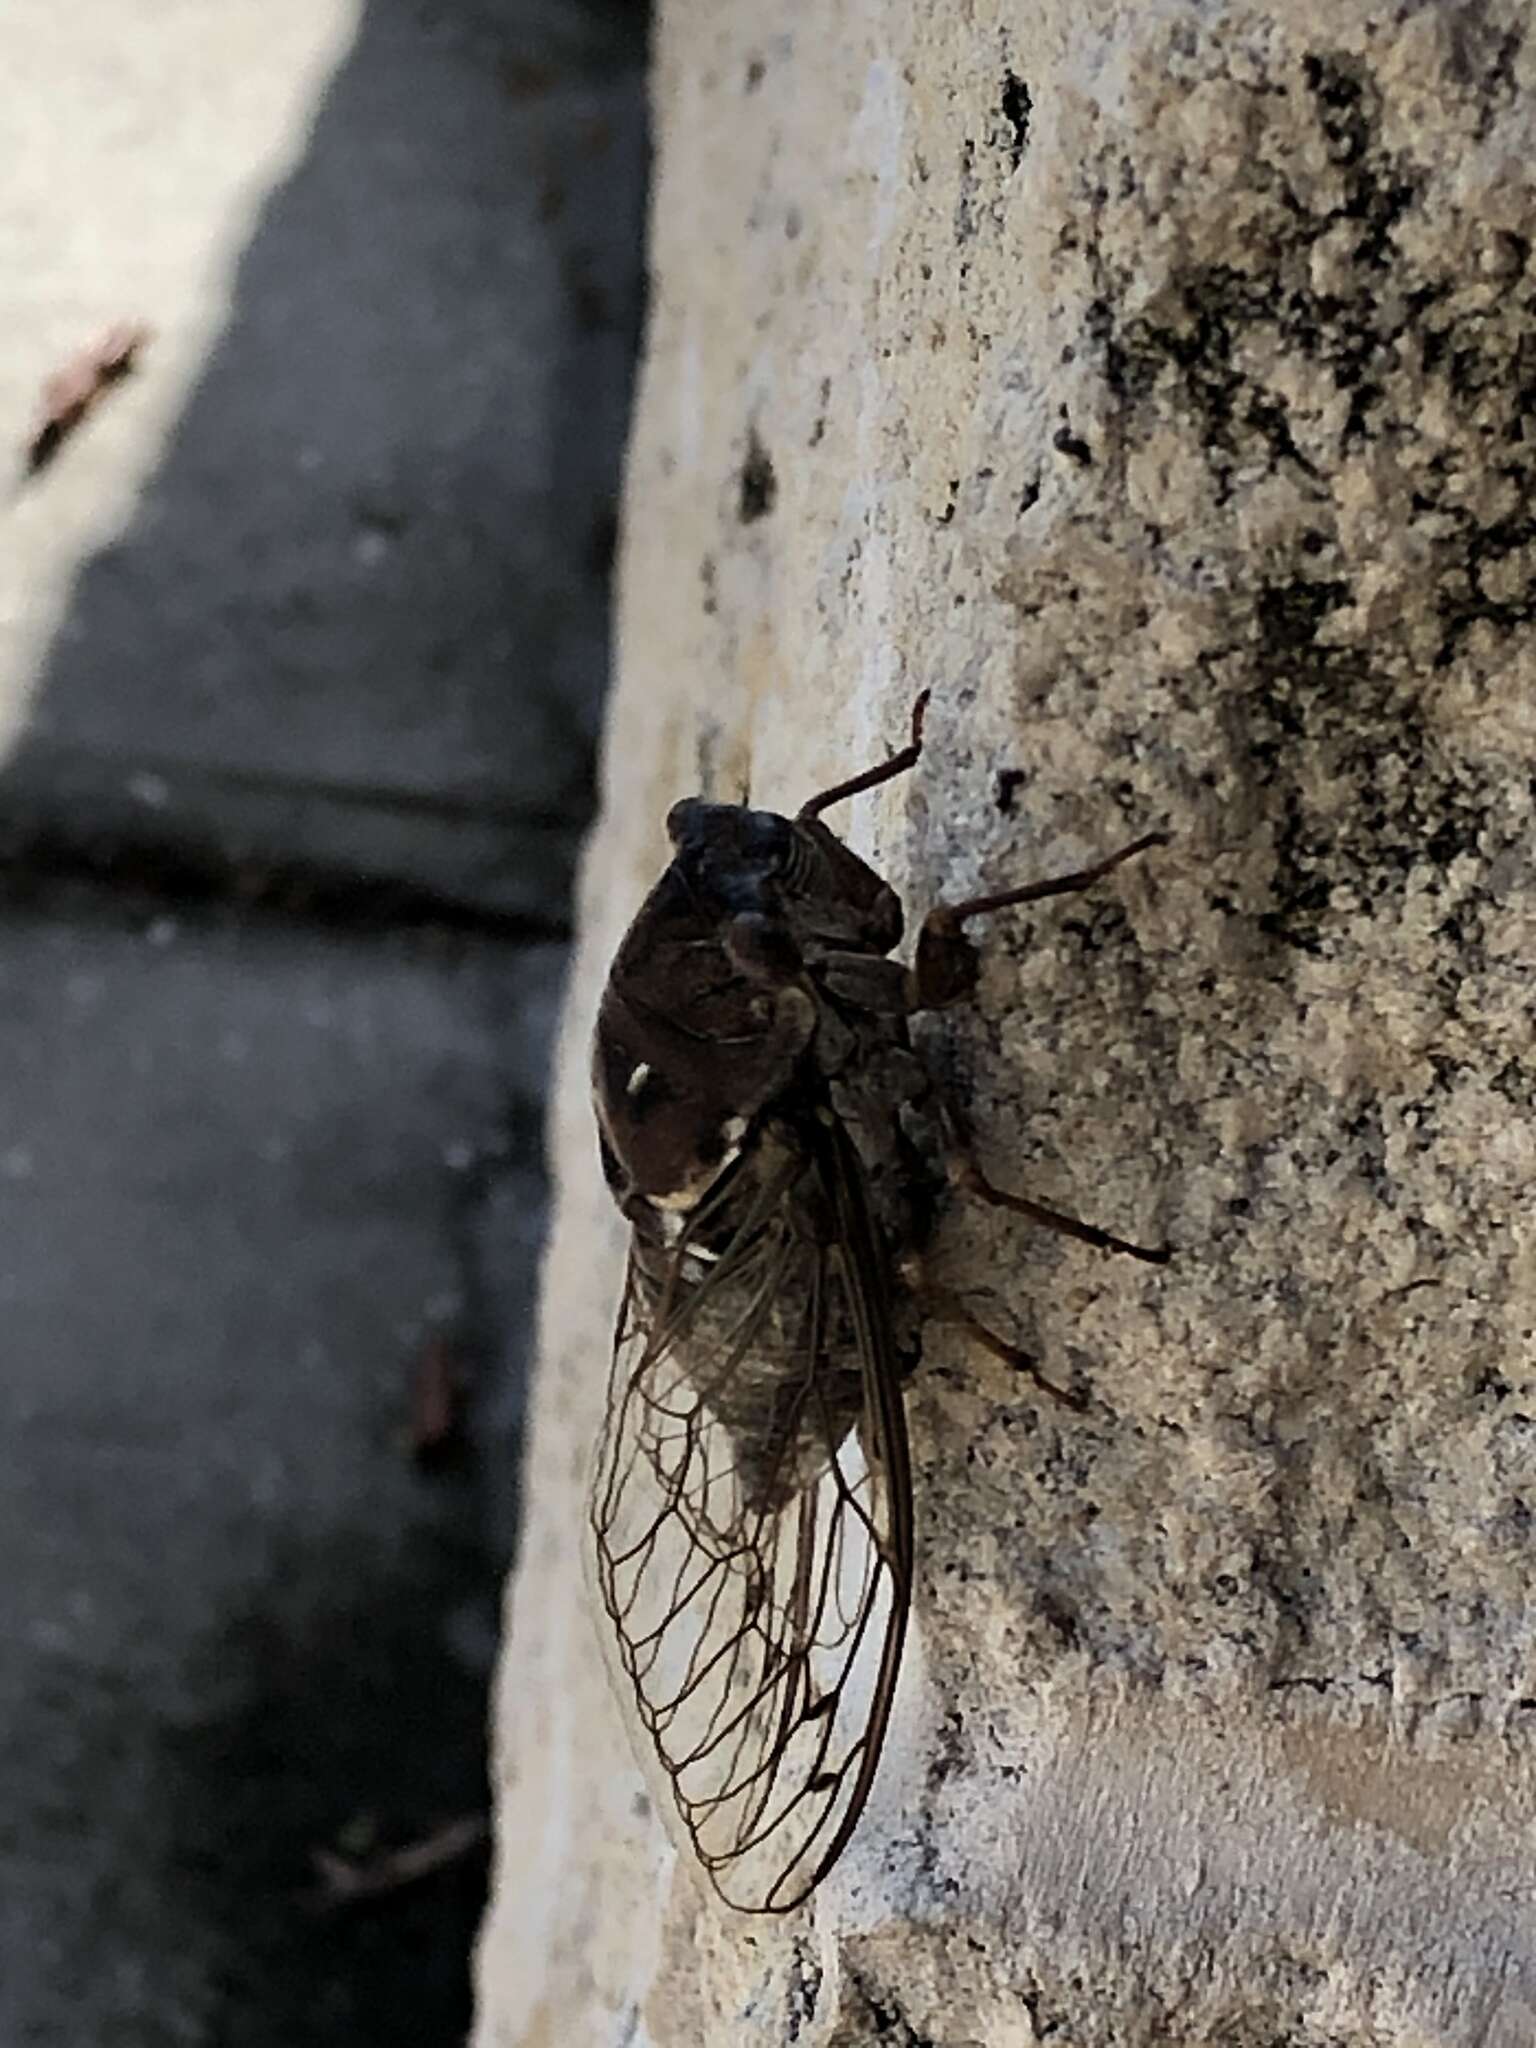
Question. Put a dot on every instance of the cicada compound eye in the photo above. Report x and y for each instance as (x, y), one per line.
(685, 819)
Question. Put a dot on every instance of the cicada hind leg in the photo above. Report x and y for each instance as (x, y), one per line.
(945, 970)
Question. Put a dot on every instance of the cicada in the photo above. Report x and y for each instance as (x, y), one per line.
(779, 1150)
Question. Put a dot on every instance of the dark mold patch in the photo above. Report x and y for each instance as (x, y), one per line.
(1383, 328)
(818, 431)
(965, 202)
(887, 2022)
(1009, 782)
(1073, 446)
(1017, 106)
(1341, 331)
(805, 1979)
(758, 486)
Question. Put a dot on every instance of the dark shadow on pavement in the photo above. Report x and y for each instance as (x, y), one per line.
(286, 853)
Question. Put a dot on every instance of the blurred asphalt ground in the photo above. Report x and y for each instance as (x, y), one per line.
(302, 646)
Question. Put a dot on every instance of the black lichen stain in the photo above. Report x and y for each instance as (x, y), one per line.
(1201, 348)
(1385, 332)
(1017, 106)
(805, 1980)
(886, 2020)
(1311, 702)
(818, 430)
(759, 487)
(965, 199)
(1073, 446)
(1009, 781)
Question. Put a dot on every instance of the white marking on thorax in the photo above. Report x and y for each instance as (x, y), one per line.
(674, 1206)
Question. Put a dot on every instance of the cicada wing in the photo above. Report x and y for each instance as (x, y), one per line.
(758, 1612)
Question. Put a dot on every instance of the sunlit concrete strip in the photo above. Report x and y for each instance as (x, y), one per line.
(139, 151)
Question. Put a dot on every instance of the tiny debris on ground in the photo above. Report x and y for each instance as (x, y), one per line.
(69, 394)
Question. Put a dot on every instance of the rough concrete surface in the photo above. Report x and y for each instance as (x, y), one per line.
(1155, 383)
(302, 639)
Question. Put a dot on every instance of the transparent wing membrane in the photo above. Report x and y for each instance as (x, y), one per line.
(751, 1511)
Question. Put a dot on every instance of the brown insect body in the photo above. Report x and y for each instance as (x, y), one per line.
(768, 1131)
(751, 1031)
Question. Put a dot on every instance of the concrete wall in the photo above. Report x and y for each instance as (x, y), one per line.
(1154, 383)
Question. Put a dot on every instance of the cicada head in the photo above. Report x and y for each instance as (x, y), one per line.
(793, 871)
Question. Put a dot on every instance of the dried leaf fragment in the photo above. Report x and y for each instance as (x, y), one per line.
(69, 394)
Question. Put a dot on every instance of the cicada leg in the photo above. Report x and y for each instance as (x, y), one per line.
(947, 1306)
(946, 969)
(947, 963)
(898, 764)
(965, 1173)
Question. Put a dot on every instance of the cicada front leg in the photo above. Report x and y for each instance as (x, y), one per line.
(947, 962)
(871, 778)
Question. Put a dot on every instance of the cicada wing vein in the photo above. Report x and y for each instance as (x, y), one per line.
(756, 1579)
